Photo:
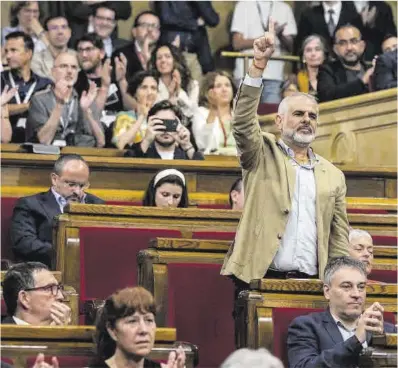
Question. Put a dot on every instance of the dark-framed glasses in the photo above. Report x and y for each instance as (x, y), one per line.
(344, 43)
(54, 288)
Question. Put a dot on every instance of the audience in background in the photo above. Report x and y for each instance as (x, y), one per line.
(125, 332)
(348, 75)
(260, 358)
(385, 73)
(130, 126)
(167, 189)
(389, 43)
(312, 55)
(57, 116)
(184, 25)
(6, 129)
(104, 23)
(250, 20)
(19, 51)
(324, 19)
(32, 222)
(361, 247)
(211, 122)
(172, 142)
(80, 16)
(33, 296)
(175, 81)
(58, 35)
(24, 17)
(145, 32)
(336, 336)
(237, 195)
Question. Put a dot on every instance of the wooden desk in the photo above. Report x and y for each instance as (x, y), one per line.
(382, 353)
(22, 342)
(217, 176)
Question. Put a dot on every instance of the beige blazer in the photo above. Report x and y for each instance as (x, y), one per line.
(269, 181)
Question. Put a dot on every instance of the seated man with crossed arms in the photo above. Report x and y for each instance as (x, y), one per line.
(336, 336)
(33, 296)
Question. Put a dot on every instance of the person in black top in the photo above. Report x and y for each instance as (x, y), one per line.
(125, 332)
(160, 143)
(19, 52)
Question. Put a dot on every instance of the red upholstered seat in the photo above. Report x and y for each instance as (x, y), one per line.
(224, 235)
(7, 208)
(108, 258)
(215, 206)
(384, 240)
(124, 203)
(200, 304)
(65, 361)
(389, 276)
(375, 212)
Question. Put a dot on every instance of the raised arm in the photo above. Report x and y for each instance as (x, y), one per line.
(245, 126)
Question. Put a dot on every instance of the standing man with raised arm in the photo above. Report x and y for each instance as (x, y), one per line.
(294, 217)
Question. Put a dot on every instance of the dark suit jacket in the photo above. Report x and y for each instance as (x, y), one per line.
(32, 225)
(314, 341)
(385, 74)
(312, 21)
(8, 320)
(135, 151)
(133, 62)
(332, 83)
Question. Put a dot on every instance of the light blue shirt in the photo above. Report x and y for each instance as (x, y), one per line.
(62, 202)
(346, 333)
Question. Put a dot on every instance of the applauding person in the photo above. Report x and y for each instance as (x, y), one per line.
(211, 123)
(165, 136)
(6, 129)
(58, 117)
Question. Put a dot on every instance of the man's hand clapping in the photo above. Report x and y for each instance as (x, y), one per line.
(89, 96)
(371, 320)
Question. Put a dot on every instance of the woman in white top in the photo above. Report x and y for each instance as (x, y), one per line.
(175, 81)
(211, 124)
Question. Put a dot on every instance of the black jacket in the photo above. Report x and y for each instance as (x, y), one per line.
(135, 151)
(333, 84)
(133, 61)
(180, 18)
(32, 226)
(385, 74)
(314, 341)
(8, 320)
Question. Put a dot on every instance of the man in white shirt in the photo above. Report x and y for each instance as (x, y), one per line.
(33, 296)
(250, 21)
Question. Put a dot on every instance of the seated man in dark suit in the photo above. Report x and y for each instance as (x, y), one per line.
(33, 296)
(336, 337)
(348, 75)
(32, 222)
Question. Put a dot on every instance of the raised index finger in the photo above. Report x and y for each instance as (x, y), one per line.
(271, 25)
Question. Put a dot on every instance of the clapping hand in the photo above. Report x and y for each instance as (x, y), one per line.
(106, 73)
(62, 91)
(264, 46)
(176, 359)
(182, 137)
(40, 363)
(120, 67)
(175, 85)
(7, 94)
(369, 16)
(89, 96)
(371, 320)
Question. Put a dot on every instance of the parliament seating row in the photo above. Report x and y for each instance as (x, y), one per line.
(209, 176)
(74, 345)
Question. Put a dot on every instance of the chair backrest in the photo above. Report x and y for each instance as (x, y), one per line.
(7, 208)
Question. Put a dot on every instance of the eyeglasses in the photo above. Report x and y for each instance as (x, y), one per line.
(56, 28)
(105, 19)
(344, 43)
(54, 288)
(86, 49)
(149, 25)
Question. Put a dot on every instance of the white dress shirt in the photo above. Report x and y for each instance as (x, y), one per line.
(336, 9)
(20, 322)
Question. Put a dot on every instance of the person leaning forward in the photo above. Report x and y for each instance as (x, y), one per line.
(295, 214)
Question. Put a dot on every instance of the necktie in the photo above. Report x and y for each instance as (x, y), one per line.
(331, 25)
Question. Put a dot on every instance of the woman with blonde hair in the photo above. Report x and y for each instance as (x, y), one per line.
(211, 123)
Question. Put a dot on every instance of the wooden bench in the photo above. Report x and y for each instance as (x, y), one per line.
(71, 299)
(382, 353)
(265, 312)
(214, 176)
(74, 345)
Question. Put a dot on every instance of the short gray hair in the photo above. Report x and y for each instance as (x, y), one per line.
(64, 159)
(284, 105)
(260, 358)
(337, 263)
(67, 52)
(358, 233)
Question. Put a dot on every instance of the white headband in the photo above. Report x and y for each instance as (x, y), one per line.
(168, 172)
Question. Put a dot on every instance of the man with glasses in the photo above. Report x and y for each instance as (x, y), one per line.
(58, 35)
(33, 296)
(348, 75)
(33, 217)
(104, 23)
(145, 33)
(57, 116)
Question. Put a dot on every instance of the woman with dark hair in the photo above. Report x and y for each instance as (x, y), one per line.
(313, 53)
(211, 123)
(167, 189)
(24, 17)
(125, 332)
(237, 195)
(130, 126)
(175, 81)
